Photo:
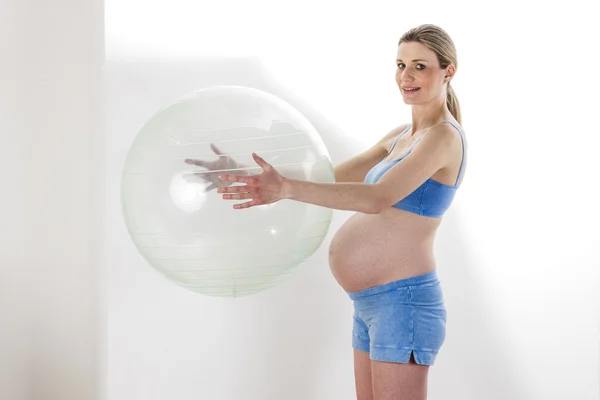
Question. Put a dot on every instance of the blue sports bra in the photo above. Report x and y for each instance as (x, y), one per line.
(432, 198)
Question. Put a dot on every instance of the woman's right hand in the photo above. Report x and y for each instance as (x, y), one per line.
(214, 169)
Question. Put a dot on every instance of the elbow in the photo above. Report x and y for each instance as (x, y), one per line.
(383, 199)
(378, 201)
(377, 206)
(371, 209)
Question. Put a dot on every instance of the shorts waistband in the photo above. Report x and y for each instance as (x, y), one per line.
(428, 277)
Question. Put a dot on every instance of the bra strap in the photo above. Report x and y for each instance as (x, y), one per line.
(462, 137)
(396, 141)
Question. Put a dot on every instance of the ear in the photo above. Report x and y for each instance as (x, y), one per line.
(450, 71)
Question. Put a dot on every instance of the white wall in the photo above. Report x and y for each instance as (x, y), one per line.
(515, 253)
(14, 294)
(52, 54)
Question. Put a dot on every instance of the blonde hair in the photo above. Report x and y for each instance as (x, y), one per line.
(438, 40)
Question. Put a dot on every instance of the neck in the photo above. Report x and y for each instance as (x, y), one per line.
(427, 115)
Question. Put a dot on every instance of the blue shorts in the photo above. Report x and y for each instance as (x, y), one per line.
(397, 318)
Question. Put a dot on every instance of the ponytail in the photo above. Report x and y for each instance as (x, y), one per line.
(452, 103)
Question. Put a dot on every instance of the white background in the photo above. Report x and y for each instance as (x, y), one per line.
(83, 316)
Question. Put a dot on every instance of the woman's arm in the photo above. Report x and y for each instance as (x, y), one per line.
(352, 196)
(352, 170)
(402, 179)
(355, 168)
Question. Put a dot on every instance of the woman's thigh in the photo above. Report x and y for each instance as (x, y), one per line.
(399, 381)
(362, 375)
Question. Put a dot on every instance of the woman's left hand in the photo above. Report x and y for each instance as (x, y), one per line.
(265, 188)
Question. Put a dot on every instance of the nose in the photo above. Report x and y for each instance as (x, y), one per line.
(406, 75)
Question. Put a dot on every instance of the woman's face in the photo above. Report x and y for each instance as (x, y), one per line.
(418, 74)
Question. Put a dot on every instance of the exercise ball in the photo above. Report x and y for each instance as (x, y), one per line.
(184, 228)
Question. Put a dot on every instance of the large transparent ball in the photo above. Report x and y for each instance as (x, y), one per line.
(185, 229)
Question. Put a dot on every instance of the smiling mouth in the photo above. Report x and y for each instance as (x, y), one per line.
(410, 90)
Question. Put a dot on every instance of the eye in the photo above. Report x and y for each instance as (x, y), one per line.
(420, 67)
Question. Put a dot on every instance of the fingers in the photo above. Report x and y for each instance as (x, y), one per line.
(246, 204)
(210, 164)
(210, 187)
(216, 150)
(195, 178)
(235, 178)
(235, 189)
(239, 196)
(206, 179)
(263, 164)
(240, 193)
(207, 164)
(199, 163)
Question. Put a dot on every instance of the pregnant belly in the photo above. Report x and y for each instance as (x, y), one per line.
(370, 250)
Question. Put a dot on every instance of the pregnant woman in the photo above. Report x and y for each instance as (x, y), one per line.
(400, 189)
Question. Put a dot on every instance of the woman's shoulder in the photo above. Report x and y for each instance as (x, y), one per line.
(452, 124)
(388, 139)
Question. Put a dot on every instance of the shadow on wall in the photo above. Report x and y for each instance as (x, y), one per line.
(477, 361)
(293, 341)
